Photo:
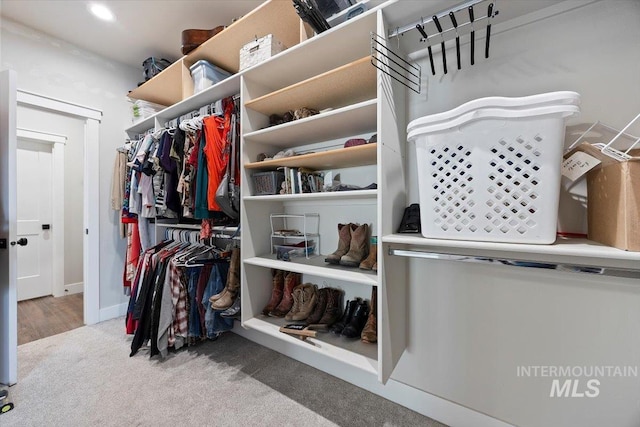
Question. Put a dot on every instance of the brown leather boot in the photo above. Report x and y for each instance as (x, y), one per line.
(333, 310)
(233, 283)
(359, 247)
(344, 240)
(296, 294)
(370, 330)
(291, 280)
(308, 299)
(276, 292)
(370, 261)
(321, 306)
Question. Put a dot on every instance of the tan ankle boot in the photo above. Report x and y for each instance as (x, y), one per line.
(370, 261)
(276, 292)
(308, 299)
(296, 294)
(359, 247)
(233, 283)
(370, 330)
(344, 240)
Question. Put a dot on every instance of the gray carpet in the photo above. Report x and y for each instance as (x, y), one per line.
(85, 377)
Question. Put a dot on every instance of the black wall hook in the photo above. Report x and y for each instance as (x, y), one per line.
(455, 25)
(473, 35)
(489, 16)
(444, 53)
(420, 28)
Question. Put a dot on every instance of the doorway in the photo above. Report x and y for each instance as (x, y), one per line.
(49, 167)
(49, 219)
(10, 99)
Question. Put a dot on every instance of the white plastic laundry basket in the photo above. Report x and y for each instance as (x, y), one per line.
(491, 174)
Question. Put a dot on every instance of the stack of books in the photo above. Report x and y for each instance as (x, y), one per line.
(301, 180)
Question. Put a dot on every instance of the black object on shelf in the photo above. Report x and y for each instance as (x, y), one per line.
(310, 13)
(411, 220)
(153, 66)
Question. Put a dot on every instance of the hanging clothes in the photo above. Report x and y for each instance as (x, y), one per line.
(217, 151)
(169, 303)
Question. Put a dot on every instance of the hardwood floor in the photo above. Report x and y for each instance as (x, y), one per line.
(42, 317)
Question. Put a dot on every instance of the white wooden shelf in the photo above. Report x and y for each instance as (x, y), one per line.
(329, 195)
(316, 266)
(272, 17)
(342, 122)
(227, 87)
(564, 250)
(345, 85)
(294, 64)
(352, 351)
(360, 155)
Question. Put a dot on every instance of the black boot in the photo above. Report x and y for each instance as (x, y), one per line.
(354, 328)
(346, 317)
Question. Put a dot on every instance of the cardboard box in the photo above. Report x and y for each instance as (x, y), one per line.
(259, 50)
(613, 192)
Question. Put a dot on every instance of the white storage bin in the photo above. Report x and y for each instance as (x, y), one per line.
(205, 74)
(491, 174)
(259, 50)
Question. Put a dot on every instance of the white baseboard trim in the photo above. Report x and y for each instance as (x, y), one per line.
(112, 312)
(73, 288)
(429, 405)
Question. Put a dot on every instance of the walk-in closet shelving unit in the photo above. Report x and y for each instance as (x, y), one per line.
(331, 70)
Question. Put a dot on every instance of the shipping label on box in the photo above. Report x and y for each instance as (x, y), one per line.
(259, 50)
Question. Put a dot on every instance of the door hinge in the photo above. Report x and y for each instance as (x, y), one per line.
(3, 243)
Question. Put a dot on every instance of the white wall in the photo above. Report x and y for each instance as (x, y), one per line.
(472, 325)
(73, 129)
(51, 67)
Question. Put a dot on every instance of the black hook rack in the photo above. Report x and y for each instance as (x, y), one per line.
(460, 16)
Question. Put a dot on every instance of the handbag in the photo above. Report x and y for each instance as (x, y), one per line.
(228, 192)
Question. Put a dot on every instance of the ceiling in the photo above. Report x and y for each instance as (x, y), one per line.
(142, 28)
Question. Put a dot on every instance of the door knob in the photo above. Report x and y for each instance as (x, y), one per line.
(21, 241)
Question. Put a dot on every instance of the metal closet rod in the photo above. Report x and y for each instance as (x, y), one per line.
(513, 262)
(424, 21)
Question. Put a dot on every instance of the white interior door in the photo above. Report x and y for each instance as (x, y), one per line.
(8, 305)
(34, 213)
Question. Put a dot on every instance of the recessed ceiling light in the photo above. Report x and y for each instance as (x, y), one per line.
(102, 12)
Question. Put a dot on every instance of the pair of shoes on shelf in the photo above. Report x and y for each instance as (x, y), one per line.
(304, 301)
(291, 115)
(353, 319)
(411, 220)
(353, 245)
(226, 298)
(281, 302)
(327, 309)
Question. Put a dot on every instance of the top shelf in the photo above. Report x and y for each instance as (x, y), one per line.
(272, 17)
(174, 83)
